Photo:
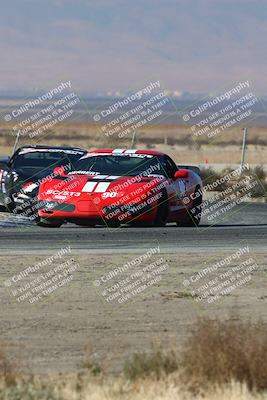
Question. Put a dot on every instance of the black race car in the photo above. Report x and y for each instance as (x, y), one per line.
(29, 166)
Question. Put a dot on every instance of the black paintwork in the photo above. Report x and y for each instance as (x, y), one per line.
(13, 179)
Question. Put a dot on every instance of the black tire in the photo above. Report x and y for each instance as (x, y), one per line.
(11, 191)
(138, 224)
(49, 223)
(162, 210)
(112, 223)
(86, 225)
(11, 206)
(194, 213)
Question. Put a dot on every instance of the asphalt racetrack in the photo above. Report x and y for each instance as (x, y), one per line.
(246, 222)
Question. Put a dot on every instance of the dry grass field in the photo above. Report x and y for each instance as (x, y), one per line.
(223, 360)
(176, 140)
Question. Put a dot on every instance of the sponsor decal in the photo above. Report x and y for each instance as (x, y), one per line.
(109, 194)
(31, 150)
(118, 153)
(63, 193)
(81, 172)
(29, 187)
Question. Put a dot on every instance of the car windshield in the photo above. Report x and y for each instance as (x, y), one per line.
(45, 159)
(119, 165)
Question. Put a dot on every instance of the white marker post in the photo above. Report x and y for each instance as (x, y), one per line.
(245, 130)
(133, 140)
(16, 143)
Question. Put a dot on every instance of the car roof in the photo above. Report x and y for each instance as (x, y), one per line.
(127, 151)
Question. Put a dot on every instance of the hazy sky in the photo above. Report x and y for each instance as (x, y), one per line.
(118, 45)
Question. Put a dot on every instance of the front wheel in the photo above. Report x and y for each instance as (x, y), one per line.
(49, 223)
(85, 225)
(112, 223)
(162, 210)
(83, 222)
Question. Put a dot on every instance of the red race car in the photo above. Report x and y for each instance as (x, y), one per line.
(113, 187)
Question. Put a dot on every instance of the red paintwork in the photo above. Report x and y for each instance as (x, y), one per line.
(81, 193)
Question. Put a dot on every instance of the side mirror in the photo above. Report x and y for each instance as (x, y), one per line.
(181, 174)
(4, 161)
(59, 171)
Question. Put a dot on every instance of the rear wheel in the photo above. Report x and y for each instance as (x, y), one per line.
(193, 217)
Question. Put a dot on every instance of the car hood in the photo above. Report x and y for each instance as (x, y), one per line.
(32, 174)
(97, 185)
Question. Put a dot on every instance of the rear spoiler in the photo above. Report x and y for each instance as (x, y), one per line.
(193, 168)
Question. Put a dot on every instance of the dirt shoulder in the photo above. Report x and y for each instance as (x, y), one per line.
(51, 335)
